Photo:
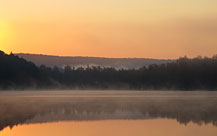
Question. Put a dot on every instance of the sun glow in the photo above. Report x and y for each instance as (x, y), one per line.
(5, 35)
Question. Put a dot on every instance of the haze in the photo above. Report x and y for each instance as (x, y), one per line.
(103, 28)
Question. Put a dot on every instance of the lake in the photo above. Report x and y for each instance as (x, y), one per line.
(117, 113)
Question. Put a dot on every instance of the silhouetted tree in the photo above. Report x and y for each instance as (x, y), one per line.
(183, 74)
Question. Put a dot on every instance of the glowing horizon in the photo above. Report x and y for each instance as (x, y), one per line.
(163, 29)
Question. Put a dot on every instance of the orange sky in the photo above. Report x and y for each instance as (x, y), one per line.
(115, 28)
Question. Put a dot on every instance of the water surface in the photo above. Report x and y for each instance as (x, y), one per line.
(97, 113)
(153, 127)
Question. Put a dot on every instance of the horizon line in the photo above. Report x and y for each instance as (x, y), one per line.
(103, 57)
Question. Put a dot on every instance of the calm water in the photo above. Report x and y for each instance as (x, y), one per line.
(116, 113)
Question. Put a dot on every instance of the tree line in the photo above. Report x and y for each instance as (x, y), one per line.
(198, 73)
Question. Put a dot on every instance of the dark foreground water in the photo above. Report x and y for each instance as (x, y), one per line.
(116, 113)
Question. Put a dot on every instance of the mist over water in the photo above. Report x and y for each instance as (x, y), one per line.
(33, 107)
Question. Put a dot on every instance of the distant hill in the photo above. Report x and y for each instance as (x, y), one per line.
(126, 63)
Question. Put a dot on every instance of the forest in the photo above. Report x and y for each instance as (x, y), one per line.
(185, 74)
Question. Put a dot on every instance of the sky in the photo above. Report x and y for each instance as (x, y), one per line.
(163, 29)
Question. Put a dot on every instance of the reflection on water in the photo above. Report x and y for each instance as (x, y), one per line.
(189, 111)
(155, 127)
